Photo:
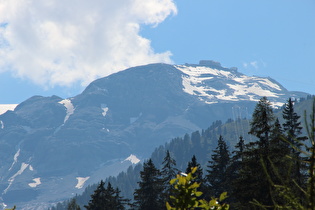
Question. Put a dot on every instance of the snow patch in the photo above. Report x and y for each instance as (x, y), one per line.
(106, 129)
(12, 178)
(252, 89)
(264, 81)
(239, 87)
(133, 159)
(69, 107)
(276, 105)
(2, 124)
(198, 72)
(81, 181)
(6, 107)
(35, 183)
(31, 168)
(15, 158)
(104, 111)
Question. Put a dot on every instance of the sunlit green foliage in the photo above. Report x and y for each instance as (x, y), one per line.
(186, 195)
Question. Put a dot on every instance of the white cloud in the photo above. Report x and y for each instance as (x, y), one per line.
(54, 42)
(250, 64)
(254, 64)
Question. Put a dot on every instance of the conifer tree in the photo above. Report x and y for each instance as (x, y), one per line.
(168, 173)
(217, 169)
(292, 127)
(291, 199)
(106, 199)
(240, 146)
(234, 169)
(149, 194)
(252, 182)
(97, 198)
(198, 176)
(279, 148)
(113, 198)
(262, 121)
(72, 205)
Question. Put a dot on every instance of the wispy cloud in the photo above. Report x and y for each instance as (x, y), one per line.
(55, 42)
(251, 64)
(254, 64)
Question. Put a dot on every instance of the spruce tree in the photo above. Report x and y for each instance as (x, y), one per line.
(262, 121)
(292, 127)
(198, 175)
(279, 147)
(106, 199)
(234, 169)
(217, 169)
(240, 146)
(252, 182)
(149, 194)
(168, 173)
(113, 199)
(97, 198)
(72, 205)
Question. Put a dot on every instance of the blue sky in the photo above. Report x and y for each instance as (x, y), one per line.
(47, 49)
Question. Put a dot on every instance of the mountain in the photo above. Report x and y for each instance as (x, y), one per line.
(200, 144)
(51, 147)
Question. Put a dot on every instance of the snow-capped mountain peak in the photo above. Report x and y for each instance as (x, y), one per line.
(224, 85)
(69, 143)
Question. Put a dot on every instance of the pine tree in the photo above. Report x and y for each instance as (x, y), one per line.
(168, 173)
(72, 205)
(149, 194)
(292, 127)
(262, 121)
(106, 199)
(240, 146)
(113, 199)
(279, 148)
(97, 199)
(217, 169)
(252, 182)
(291, 199)
(198, 174)
(234, 169)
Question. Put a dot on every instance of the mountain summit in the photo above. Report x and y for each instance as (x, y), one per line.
(50, 147)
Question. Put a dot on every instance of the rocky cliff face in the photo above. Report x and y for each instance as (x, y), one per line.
(50, 148)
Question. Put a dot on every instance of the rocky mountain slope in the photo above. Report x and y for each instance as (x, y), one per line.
(50, 147)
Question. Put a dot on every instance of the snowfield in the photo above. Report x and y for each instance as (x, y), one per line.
(81, 181)
(6, 107)
(236, 87)
(69, 107)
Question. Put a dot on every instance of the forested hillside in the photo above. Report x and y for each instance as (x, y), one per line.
(246, 158)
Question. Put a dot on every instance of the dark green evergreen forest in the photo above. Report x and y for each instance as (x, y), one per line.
(262, 163)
